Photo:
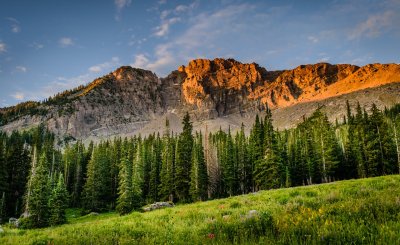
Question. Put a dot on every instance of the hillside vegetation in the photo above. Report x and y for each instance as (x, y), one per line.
(365, 211)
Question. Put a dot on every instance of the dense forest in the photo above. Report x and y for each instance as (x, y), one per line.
(38, 181)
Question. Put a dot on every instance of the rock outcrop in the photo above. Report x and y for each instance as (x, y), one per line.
(219, 87)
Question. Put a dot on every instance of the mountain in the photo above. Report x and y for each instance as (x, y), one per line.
(217, 93)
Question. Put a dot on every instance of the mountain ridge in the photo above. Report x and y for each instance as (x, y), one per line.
(127, 99)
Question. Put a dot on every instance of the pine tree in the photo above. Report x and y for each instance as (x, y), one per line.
(198, 174)
(266, 172)
(255, 148)
(137, 174)
(350, 149)
(3, 168)
(125, 198)
(167, 166)
(244, 165)
(380, 148)
(3, 213)
(155, 169)
(37, 196)
(229, 166)
(79, 174)
(18, 165)
(97, 189)
(183, 159)
(58, 203)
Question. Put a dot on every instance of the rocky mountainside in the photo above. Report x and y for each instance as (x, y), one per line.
(216, 93)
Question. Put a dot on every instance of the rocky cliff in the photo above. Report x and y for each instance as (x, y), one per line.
(217, 92)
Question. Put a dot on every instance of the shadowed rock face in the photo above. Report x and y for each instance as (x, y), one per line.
(128, 100)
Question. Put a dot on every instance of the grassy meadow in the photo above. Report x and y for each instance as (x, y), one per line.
(364, 211)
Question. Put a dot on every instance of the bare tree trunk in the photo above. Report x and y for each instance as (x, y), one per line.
(396, 140)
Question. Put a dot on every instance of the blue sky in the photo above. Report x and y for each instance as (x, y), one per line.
(47, 46)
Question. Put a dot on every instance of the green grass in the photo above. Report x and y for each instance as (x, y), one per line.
(365, 211)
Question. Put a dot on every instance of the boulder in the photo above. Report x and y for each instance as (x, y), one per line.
(252, 214)
(13, 221)
(158, 205)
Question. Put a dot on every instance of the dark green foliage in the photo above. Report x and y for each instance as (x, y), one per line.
(166, 188)
(183, 158)
(198, 175)
(37, 196)
(155, 169)
(266, 172)
(244, 167)
(97, 191)
(125, 198)
(58, 202)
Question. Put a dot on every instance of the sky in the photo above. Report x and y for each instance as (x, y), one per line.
(47, 46)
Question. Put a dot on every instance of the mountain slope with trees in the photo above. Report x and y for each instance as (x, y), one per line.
(125, 174)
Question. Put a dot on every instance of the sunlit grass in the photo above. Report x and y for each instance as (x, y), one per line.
(365, 211)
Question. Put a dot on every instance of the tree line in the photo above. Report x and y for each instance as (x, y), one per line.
(38, 181)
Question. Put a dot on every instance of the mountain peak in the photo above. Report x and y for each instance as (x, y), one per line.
(128, 73)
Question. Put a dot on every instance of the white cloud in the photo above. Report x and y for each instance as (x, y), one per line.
(95, 69)
(37, 46)
(209, 26)
(60, 84)
(18, 95)
(313, 39)
(120, 4)
(163, 29)
(204, 32)
(15, 27)
(181, 8)
(3, 47)
(373, 26)
(164, 58)
(65, 42)
(141, 61)
(324, 59)
(164, 14)
(166, 23)
(105, 66)
(21, 69)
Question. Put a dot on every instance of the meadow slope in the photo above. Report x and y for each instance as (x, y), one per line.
(365, 211)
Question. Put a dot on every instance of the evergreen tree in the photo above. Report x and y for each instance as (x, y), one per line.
(350, 149)
(58, 203)
(97, 189)
(229, 166)
(3, 169)
(137, 174)
(183, 159)
(18, 165)
(198, 175)
(380, 148)
(3, 207)
(80, 171)
(266, 172)
(167, 166)
(125, 198)
(255, 147)
(244, 165)
(37, 197)
(155, 169)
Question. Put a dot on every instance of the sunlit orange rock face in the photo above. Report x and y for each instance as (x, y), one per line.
(208, 83)
(220, 84)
